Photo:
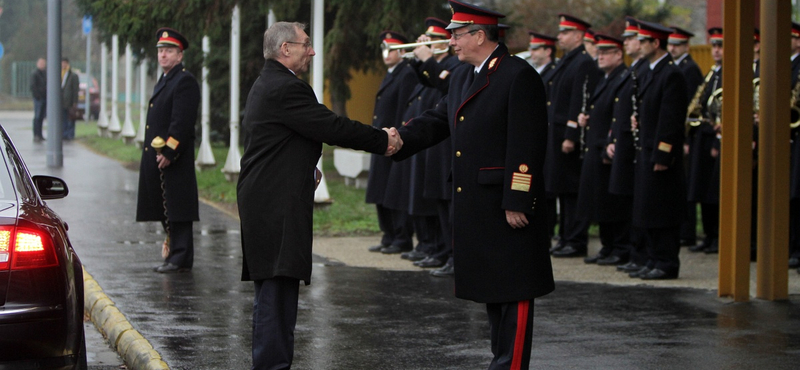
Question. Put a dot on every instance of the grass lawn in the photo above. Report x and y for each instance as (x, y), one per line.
(346, 215)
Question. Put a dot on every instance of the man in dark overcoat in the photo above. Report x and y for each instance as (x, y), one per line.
(623, 143)
(679, 49)
(574, 78)
(794, 177)
(391, 196)
(171, 116)
(659, 196)
(495, 118)
(595, 202)
(285, 127)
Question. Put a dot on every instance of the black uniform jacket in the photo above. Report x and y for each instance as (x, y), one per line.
(794, 187)
(659, 197)
(701, 184)
(595, 203)
(284, 128)
(547, 76)
(498, 129)
(621, 181)
(574, 70)
(172, 116)
(390, 101)
(694, 77)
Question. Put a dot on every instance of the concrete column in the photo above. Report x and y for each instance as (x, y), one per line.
(232, 162)
(143, 99)
(205, 156)
(102, 120)
(128, 133)
(114, 127)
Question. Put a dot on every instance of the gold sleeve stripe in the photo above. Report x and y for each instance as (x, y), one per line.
(172, 143)
(572, 124)
(664, 147)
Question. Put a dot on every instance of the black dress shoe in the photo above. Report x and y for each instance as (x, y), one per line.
(629, 267)
(393, 249)
(594, 259)
(699, 248)
(688, 242)
(429, 262)
(155, 268)
(170, 269)
(414, 255)
(569, 251)
(559, 245)
(377, 248)
(794, 262)
(713, 248)
(446, 270)
(643, 271)
(658, 274)
(611, 260)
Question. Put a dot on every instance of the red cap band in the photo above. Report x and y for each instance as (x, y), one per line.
(567, 25)
(473, 19)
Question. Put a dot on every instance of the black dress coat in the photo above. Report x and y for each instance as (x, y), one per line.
(284, 127)
(576, 68)
(547, 76)
(390, 101)
(172, 115)
(694, 77)
(595, 203)
(498, 128)
(659, 197)
(701, 179)
(622, 165)
(794, 182)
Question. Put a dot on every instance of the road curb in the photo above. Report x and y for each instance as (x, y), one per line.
(137, 352)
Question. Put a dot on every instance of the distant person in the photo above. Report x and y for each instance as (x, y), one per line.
(284, 127)
(172, 116)
(39, 93)
(69, 99)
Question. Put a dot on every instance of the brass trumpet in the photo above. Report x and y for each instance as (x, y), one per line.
(386, 48)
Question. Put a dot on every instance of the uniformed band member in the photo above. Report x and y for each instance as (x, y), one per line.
(543, 53)
(659, 197)
(703, 175)
(595, 203)
(171, 116)
(573, 80)
(433, 72)
(625, 144)
(678, 47)
(495, 117)
(391, 197)
(794, 187)
(589, 43)
(756, 52)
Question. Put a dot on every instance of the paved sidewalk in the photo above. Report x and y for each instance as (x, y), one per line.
(371, 311)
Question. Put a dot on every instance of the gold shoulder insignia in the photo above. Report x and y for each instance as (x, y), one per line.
(492, 62)
(664, 147)
(523, 168)
(444, 74)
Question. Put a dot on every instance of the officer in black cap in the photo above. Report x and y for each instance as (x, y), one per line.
(794, 184)
(171, 116)
(495, 117)
(659, 197)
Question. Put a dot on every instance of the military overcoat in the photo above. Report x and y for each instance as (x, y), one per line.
(497, 124)
(172, 115)
(621, 181)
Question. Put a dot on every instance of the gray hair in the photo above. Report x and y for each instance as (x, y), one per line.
(279, 33)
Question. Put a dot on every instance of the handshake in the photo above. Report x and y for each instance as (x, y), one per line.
(395, 142)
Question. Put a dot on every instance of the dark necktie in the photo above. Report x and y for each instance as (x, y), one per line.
(468, 84)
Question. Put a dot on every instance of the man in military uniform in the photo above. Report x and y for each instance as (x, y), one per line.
(625, 144)
(495, 117)
(703, 175)
(659, 197)
(573, 80)
(595, 203)
(794, 186)
(171, 117)
(678, 47)
(391, 196)
(589, 43)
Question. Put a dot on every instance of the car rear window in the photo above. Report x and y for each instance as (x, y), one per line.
(10, 169)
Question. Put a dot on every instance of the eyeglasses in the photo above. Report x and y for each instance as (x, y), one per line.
(306, 44)
(457, 36)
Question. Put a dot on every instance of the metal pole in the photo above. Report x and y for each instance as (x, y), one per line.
(205, 156)
(232, 165)
(127, 128)
(142, 103)
(102, 120)
(55, 156)
(88, 116)
(114, 127)
(318, 29)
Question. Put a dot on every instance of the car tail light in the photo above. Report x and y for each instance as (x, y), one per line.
(25, 248)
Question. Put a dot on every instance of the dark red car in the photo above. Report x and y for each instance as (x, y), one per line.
(41, 277)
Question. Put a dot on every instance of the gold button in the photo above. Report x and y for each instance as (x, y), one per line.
(151, 105)
(419, 98)
(461, 119)
(403, 123)
(550, 83)
(147, 127)
(548, 104)
(145, 149)
(588, 127)
(616, 100)
(374, 117)
(458, 189)
(458, 153)
(592, 106)
(425, 73)
(379, 97)
(613, 120)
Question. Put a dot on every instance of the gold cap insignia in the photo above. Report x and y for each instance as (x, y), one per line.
(563, 19)
(388, 35)
(627, 24)
(491, 63)
(165, 34)
(430, 29)
(523, 168)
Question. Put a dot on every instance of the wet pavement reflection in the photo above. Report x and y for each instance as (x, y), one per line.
(362, 318)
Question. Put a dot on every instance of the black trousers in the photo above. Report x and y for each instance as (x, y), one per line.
(428, 233)
(689, 226)
(512, 331)
(446, 227)
(709, 212)
(615, 238)
(663, 246)
(274, 320)
(181, 245)
(396, 227)
(794, 228)
(576, 230)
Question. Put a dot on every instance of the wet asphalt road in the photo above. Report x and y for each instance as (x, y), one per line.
(361, 318)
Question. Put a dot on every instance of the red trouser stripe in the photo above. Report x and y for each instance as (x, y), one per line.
(519, 340)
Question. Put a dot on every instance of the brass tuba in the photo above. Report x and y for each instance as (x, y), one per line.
(715, 106)
(793, 105)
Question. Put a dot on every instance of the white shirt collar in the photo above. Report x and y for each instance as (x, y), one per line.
(795, 56)
(478, 68)
(654, 64)
(681, 58)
